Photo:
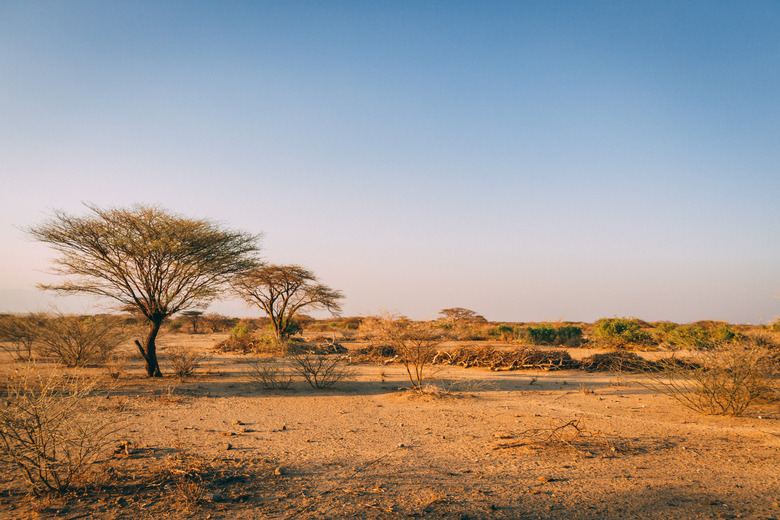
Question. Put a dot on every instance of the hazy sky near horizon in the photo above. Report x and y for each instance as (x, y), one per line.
(527, 160)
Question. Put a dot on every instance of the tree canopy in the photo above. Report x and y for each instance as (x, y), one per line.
(461, 315)
(148, 259)
(283, 290)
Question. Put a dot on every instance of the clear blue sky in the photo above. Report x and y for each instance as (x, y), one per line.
(527, 160)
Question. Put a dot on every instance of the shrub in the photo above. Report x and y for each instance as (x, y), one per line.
(415, 342)
(48, 430)
(541, 335)
(504, 332)
(620, 333)
(569, 335)
(175, 326)
(690, 336)
(250, 344)
(721, 381)
(701, 336)
(22, 332)
(80, 340)
(320, 371)
(184, 361)
(271, 374)
(239, 330)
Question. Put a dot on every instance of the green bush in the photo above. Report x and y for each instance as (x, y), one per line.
(698, 337)
(568, 335)
(241, 329)
(542, 335)
(690, 336)
(504, 332)
(620, 333)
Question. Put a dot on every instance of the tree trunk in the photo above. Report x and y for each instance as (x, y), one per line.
(278, 326)
(149, 351)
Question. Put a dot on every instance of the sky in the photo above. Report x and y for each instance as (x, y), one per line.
(531, 161)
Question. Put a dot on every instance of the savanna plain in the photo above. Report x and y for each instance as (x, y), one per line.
(488, 421)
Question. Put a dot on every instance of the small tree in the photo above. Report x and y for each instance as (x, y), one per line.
(415, 341)
(147, 259)
(459, 315)
(194, 319)
(283, 290)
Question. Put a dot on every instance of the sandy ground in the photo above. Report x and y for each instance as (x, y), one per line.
(369, 448)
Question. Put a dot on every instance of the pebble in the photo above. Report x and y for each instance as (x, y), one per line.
(227, 446)
(279, 471)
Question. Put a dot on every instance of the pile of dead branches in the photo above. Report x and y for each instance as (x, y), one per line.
(571, 436)
(519, 358)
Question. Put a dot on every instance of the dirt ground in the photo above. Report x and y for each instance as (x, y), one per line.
(219, 446)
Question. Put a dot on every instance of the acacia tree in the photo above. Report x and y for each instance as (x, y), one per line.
(283, 290)
(457, 315)
(147, 259)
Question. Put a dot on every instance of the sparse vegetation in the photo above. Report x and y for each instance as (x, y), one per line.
(572, 435)
(415, 341)
(147, 259)
(19, 334)
(518, 358)
(281, 291)
(271, 374)
(721, 381)
(184, 361)
(49, 431)
(320, 371)
(505, 332)
(78, 341)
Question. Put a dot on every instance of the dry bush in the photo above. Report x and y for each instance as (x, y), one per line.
(511, 359)
(572, 436)
(723, 381)
(49, 431)
(19, 333)
(271, 374)
(320, 371)
(415, 341)
(185, 361)
(77, 341)
(115, 365)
